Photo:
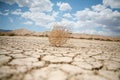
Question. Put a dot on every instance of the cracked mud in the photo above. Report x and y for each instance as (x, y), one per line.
(32, 58)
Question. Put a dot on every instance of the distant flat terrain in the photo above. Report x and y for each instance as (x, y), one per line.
(26, 32)
(33, 58)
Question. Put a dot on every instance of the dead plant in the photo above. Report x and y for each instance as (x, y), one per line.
(59, 35)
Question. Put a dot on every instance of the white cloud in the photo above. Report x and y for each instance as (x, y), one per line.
(67, 15)
(88, 24)
(33, 5)
(112, 3)
(36, 13)
(66, 22)
(28, 23)
(17, 12)
(8, 1)
(97, 17)
(98, 7)
(83, 15)
(4, 13)
(102, 16)
(63, 6)
(55, 14)
(41, 5)
(40, 19)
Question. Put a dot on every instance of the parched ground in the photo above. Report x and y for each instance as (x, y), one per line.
(32, 58)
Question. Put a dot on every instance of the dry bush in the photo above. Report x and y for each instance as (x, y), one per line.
(2, 34)
(12, 34)
(59, 35)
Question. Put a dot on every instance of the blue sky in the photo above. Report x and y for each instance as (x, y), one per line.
(100, 17)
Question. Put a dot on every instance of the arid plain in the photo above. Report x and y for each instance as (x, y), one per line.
(33, 58)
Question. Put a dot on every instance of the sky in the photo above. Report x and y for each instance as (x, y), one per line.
(101, 17)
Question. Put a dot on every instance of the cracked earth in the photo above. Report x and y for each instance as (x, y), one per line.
(32, 58)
